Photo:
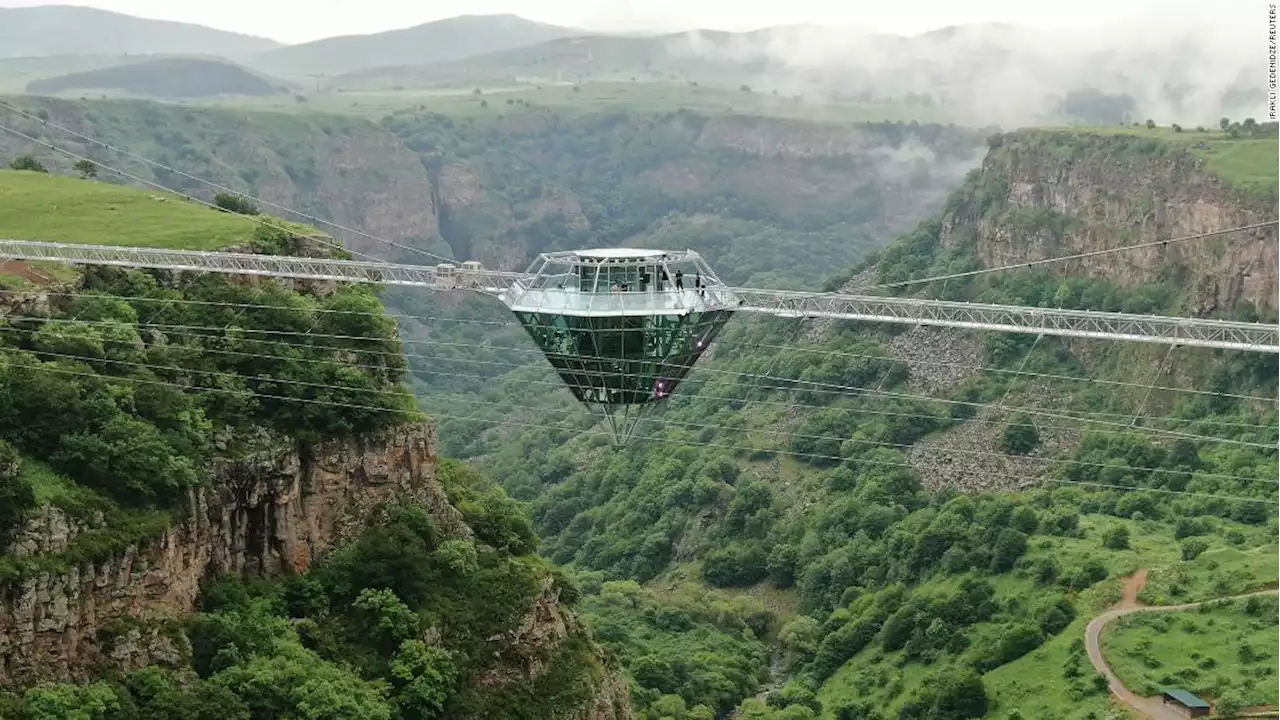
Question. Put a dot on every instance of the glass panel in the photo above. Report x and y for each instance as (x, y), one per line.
(623, 360)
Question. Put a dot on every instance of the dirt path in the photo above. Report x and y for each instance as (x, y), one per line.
(1147, 707)
(25, 271)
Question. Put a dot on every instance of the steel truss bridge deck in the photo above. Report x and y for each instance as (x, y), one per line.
(1196, 332)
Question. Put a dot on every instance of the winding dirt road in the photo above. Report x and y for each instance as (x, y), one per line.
(1148, 707)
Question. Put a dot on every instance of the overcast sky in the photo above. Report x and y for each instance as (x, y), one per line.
(302, 20)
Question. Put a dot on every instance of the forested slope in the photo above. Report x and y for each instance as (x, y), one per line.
(217, 500)
(817, 465)
(813, 470)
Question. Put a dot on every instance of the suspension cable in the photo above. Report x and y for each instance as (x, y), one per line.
(216, 186)
(255, 218)
(820, 388)
(44, 368)
(1076, 256)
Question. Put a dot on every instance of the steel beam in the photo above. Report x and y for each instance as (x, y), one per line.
(304, 268)
(1252, 337)
(1197, 332)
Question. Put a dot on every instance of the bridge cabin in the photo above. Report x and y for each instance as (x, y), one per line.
(1184, 703)
(447, 274)
(622, 326)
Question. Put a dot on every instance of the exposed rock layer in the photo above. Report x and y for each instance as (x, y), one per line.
(275, 511)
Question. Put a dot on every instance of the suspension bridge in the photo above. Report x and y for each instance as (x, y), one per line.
(623, 326)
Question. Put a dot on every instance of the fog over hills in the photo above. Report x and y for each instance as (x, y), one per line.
(433, 42)
(69, 30)
(980, 73)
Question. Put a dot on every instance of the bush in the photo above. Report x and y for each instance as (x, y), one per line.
(1117, 538)
(28, 163)
(15, 495)
(237, 204)
(1192, 547)
(1020, 436)
(739, 565)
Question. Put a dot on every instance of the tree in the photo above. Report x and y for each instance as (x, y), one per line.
(234, 203)
(95, 701)
(423, 679)
(384, 618)
(15, 495)
(86, 168)
(1192, 547)
(1010, 545)
(1151, 124)
(459, 556)
(28, 163)
(297, 683)
(1020, 436)
(1117, 538)
(1224, 123)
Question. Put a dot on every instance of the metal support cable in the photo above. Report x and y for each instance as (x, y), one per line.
(815, 387)
(719, 342)
(1076, 256)
(657, 438)
(507, 405)
(255, 218)
(216, 186)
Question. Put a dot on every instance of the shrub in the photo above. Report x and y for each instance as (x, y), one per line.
(15, 495)
(1192, 547)
(232, 203)
(1020, 436)
(28, 163)
(1117, 538)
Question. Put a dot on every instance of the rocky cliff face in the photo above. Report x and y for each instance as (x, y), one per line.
(271, 512)
(1044, 194)
(345, 170)
(275, 511)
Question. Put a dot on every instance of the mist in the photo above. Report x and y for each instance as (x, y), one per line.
(1007, 74)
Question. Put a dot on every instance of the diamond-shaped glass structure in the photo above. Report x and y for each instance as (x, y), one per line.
(621, 326)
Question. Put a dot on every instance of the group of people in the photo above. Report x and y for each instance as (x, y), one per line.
(679, 282)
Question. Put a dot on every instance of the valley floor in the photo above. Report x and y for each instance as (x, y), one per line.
(1147, 707)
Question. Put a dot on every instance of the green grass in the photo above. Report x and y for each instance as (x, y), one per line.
(1037, 686)
(49, 487)
(1247, 164)
(1221, 571)
(589, 97)
(1211, 651)
(15, 73)
(39, 206)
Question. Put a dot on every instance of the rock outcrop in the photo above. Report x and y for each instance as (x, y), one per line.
(271, 511)
(1048, 194)
(274, 511)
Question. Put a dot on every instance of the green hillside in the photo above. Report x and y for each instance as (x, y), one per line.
(572, 59)
(113, 420)
(69, 30)
(830, 489)
(432, 42)
(16, 73)
(168, 78)
(40, 206)
(1243, 159)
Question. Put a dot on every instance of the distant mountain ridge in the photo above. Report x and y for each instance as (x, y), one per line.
(72, 30)
(167, 78)
(434, 42)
